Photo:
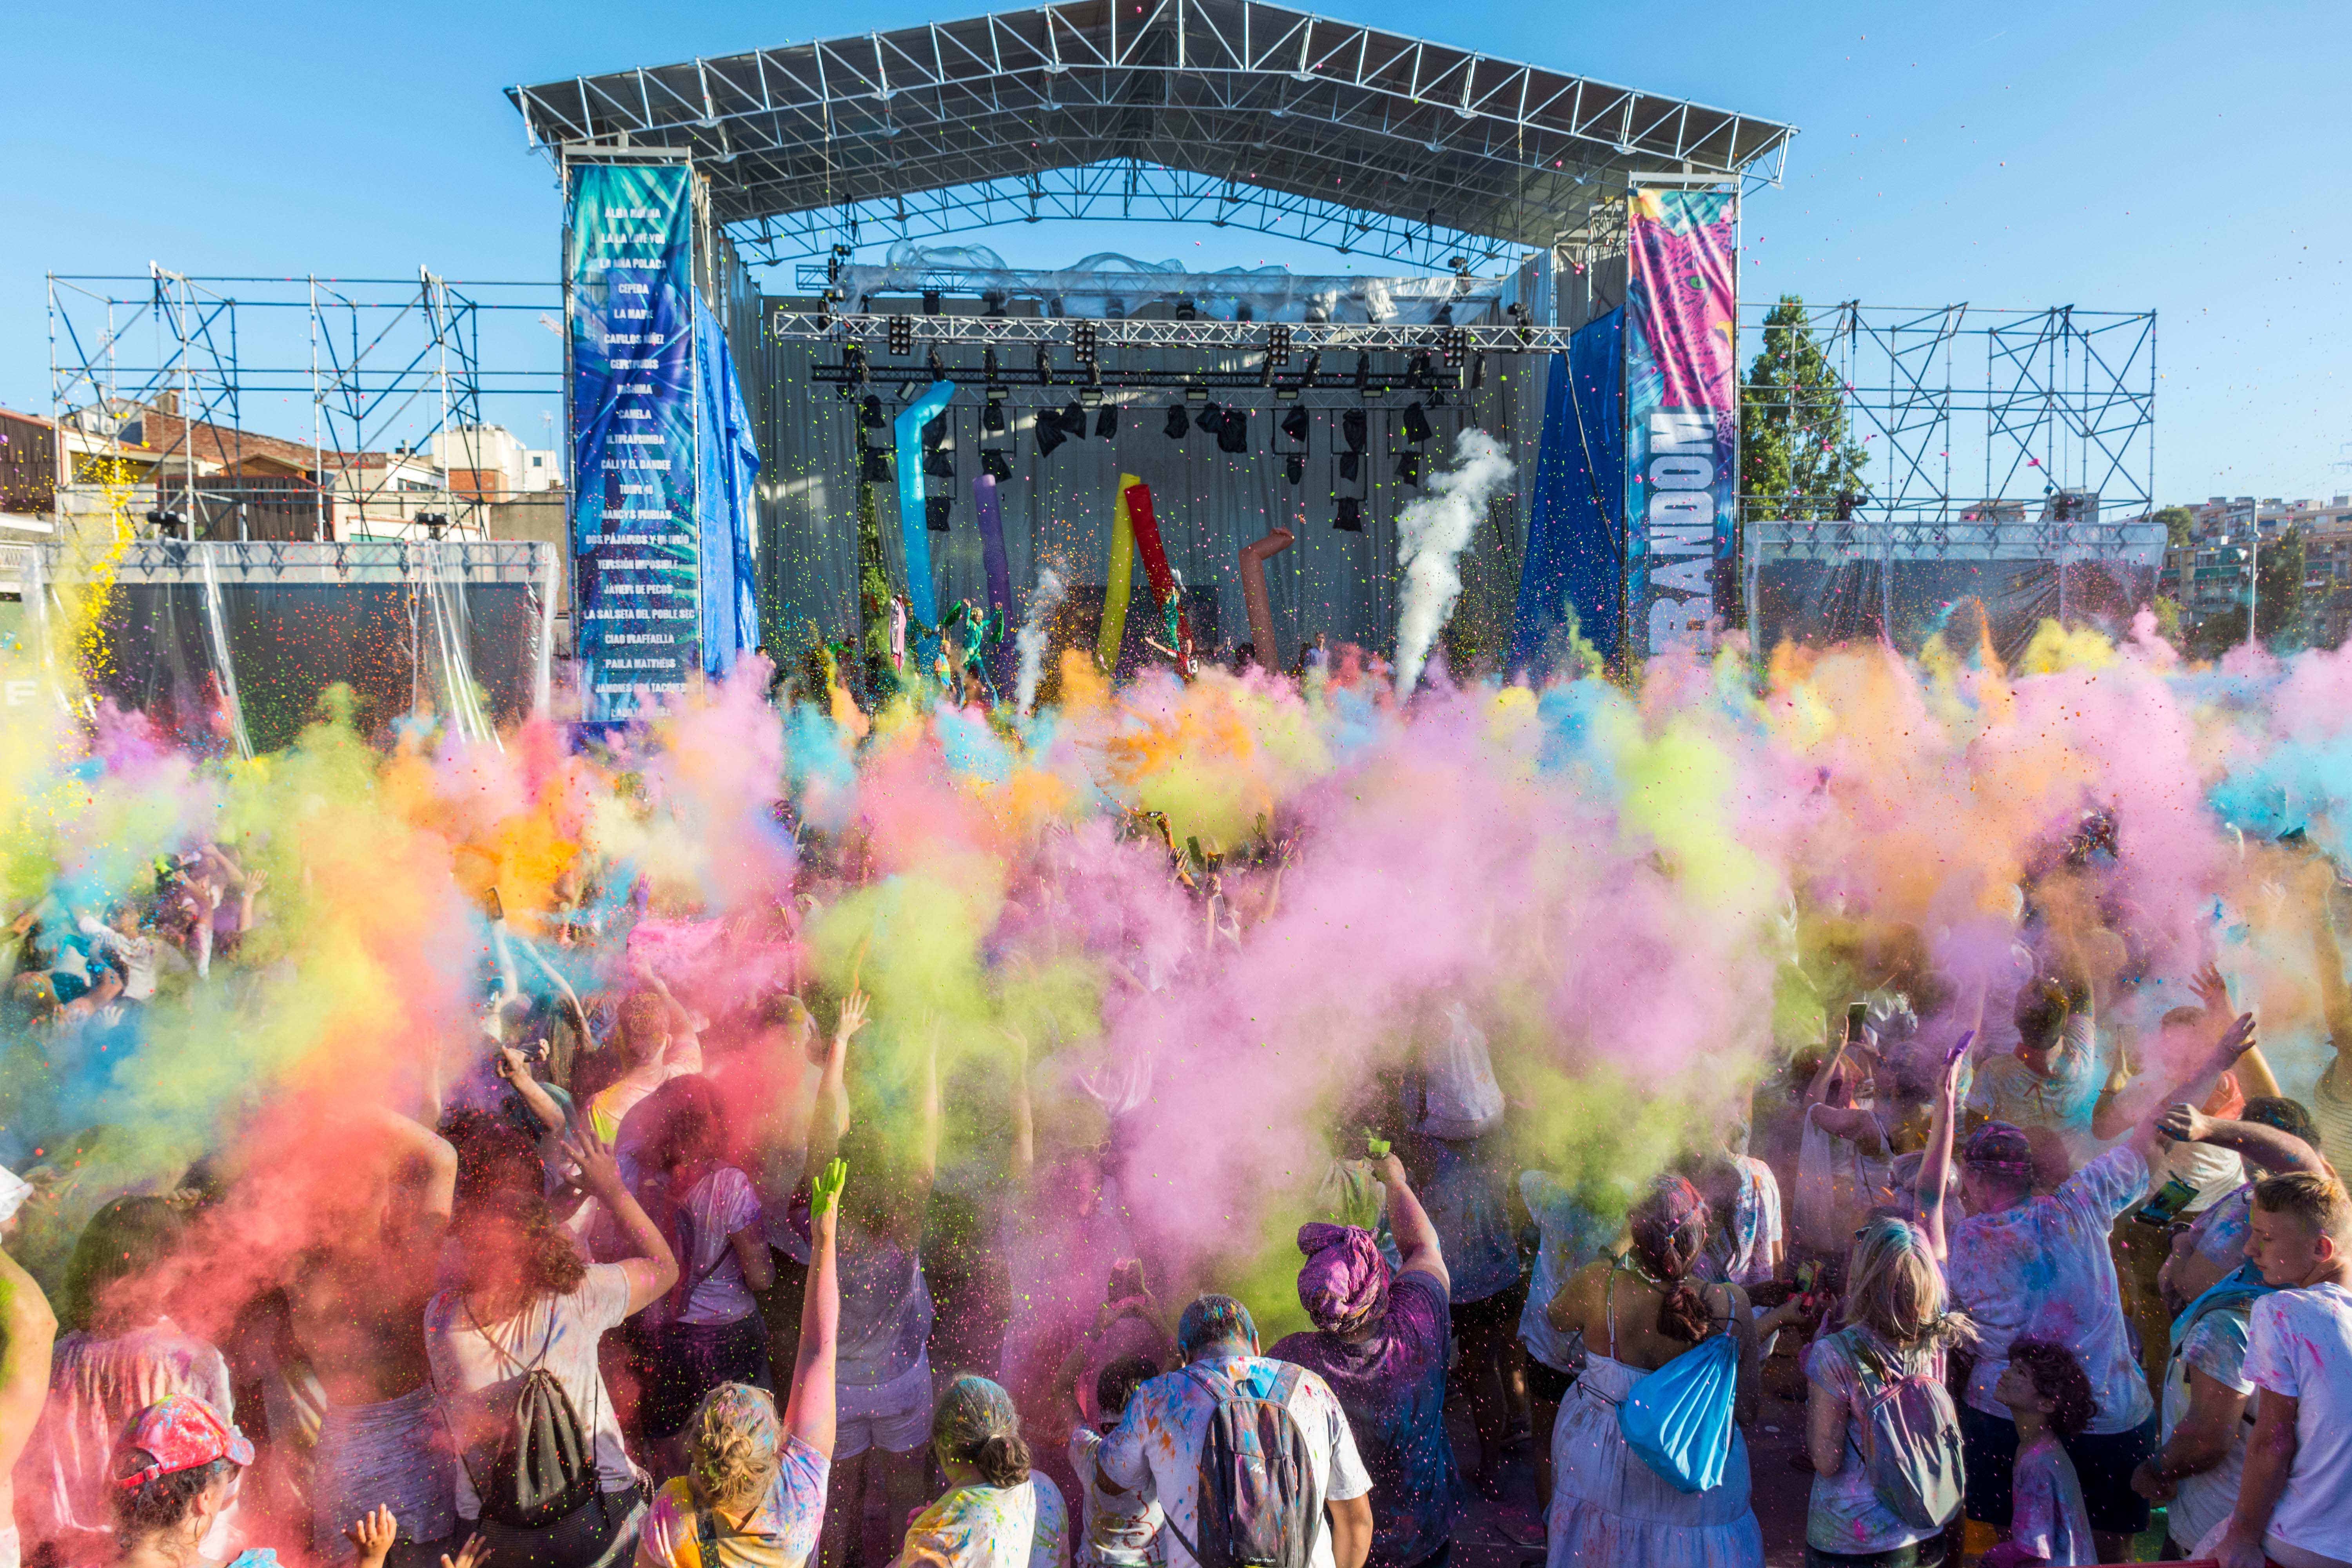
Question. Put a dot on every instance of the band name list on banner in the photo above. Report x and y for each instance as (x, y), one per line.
(634, 543)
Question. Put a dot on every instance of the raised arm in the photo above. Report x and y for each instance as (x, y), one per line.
(1025, 1125)
(2275, 1151)
(653, 1269)
(1416, 1238)
(2198, 1087)
(2253, 1069)
(515, 1068)
(1936, 1167)
(829, 1114)
(809, 1413)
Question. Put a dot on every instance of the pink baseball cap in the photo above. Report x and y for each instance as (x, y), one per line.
(174, 1433)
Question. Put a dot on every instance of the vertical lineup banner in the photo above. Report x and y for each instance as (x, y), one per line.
(635, 547)
(1682, 419)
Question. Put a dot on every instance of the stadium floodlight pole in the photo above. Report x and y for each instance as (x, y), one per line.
(2253, 574)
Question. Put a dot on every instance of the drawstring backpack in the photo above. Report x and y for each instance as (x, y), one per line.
(1678, 1419)
(1911, 1439)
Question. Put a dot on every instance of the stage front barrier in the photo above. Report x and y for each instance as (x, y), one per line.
(229, 647)
(1819, 583)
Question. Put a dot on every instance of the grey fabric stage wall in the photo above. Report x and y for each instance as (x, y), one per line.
(1058, 509)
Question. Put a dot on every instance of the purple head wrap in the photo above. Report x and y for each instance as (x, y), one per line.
(1345, 1283)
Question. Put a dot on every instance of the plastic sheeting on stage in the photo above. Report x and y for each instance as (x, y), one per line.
(1820, 583)
(1576, 552)
(228, 648)
(729, 466)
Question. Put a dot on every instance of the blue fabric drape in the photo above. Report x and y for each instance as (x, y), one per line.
(1576, 537)
(726, 462)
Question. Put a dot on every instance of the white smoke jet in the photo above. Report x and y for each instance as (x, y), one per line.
(1031, 640)
(1432, 533)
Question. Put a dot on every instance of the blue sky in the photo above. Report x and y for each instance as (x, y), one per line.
(2119, 156)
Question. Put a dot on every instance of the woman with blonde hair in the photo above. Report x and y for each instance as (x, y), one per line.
(1898, 1324)
(754, 1491)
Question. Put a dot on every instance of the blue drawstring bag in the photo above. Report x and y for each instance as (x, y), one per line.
(1678, 1419)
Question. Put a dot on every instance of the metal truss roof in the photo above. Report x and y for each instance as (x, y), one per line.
(1229, 111)
(788, 324)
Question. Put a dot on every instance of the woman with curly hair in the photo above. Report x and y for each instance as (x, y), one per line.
(754, 1489)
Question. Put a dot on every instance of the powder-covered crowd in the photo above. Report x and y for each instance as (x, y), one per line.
(622, 1293)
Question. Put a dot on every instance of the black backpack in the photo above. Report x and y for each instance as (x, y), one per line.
(545, 1468)
(1258, 1507)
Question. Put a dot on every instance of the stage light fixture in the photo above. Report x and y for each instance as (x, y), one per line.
(1049, 432)
(1477, 371)
(939, 466)
(1416, 423)
(994, 464)
(988, 367)
(991, 417)
(1408, 468)
(1417, 372)
(1074, 421)
(937, 511)
(1107, 422)
(1082, 342)
(1455, 343)
(869, 413)
(1294, 427)
(1351, 466)
(874, 464)
(1178, 426)
(1233, 431)
(901, 332)
(938, 364)
(853, 360)
(1350, 517)
(1044, 365)
(1363, 376)
(1293, 467)
(1353, 427)
(1314, 363)
(935, 430)
(1185, 310)
(1209, 417)
(930, 301)
(1265, 370)
(1277, 346)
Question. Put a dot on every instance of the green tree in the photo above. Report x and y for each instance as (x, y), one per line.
(2178, 520)
(1796, 454)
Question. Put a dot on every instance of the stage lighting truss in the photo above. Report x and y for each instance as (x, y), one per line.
(1098, 381)
(788, 324)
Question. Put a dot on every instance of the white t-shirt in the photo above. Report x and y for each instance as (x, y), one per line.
(479, 1369)
(2047, 1516)
(721, 1204)
(1571, 1236)
(1115, 1534)
(1158, 1443)
(2299, 1344)
(2041, 1270)
(2216, 1347)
